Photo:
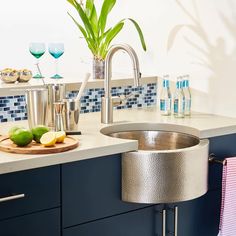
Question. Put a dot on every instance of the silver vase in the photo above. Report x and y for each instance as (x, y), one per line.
(98, 68)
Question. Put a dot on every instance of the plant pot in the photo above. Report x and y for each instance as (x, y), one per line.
(98, 69)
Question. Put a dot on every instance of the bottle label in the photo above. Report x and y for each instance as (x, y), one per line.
(164, 104)
(176, 105)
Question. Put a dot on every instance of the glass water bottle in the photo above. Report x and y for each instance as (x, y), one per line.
(187, 95)
(165, 97)
(179, 99)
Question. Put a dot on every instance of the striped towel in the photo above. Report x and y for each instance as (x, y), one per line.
(228, 202)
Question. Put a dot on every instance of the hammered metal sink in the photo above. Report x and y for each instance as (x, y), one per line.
(169, 165)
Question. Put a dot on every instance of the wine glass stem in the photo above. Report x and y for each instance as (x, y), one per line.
(37, 65)
(56, 67)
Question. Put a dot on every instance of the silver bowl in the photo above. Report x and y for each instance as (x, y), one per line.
(9, 75)
(25, 75)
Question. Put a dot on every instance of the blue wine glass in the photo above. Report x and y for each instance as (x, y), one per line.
(37, 50)
(56, 50)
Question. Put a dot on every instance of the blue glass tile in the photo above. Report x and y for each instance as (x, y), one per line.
(17, 118)
(90, 102)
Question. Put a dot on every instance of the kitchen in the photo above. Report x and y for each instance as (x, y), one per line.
(198, 33)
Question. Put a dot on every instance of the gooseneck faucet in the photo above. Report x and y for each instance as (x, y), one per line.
(108, 101)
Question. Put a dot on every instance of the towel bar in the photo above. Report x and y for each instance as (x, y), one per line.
(212, 159)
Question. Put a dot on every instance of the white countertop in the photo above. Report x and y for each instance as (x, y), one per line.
(94, 144)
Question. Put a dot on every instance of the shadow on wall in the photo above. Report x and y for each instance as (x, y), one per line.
(222, 64)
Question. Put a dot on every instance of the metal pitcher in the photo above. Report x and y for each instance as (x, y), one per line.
(37, 105)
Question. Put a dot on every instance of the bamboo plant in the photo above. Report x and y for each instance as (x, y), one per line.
(93, 27)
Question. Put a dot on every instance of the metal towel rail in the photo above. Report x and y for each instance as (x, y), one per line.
(212, 159)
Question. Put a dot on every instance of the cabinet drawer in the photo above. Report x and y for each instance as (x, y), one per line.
(33, 190)
(46, 223)
(91, 190)
(138, 223)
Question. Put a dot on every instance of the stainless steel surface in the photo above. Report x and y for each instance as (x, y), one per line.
(71, 114)
(56, 93)
(37, 105)
(25, 75)
(13, 197)
(158, 140)
(9, 75)
(59, 124)
(163, 222)
(176, 221)
(168, 167)
(165, 176)
(212, 159)
(107, 102)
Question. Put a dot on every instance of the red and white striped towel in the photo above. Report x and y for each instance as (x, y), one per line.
(228, 202)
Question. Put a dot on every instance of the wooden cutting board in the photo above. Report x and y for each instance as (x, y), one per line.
(7, 145)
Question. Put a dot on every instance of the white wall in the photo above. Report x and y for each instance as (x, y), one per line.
(207, 50)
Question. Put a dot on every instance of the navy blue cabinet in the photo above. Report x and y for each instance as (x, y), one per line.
(91, 190)
(135, 223)
(45, 223)
(40, 187)
(199, 217)
(30, 203)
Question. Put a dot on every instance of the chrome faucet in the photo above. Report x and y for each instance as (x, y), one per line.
(108, 101)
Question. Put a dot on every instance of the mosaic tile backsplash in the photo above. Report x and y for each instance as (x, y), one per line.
(13, 108)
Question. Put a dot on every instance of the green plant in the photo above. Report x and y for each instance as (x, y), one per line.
(94, 29)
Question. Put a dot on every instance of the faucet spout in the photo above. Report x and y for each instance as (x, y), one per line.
(107, 101)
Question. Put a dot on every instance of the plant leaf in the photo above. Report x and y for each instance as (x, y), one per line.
(106, 8)
(89, 7)
(140, 33)
(83, 17)
(94, 20)
(89, 41)
(109, 37)
(103, 37)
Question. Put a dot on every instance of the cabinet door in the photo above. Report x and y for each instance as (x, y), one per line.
(222, 147)
(45, 223)
(135, 223)
(91, 190)
(199, 217)
(40, 189)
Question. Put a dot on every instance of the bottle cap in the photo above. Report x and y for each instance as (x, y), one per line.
(186, 83)
(166, 83)
(179, 84)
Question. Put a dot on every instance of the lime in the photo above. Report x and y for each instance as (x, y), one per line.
(38, 131)
(48, 139)
(13, 129)
(22, 137)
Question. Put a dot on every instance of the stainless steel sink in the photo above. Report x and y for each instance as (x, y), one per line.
(169, 165)
(158, 140)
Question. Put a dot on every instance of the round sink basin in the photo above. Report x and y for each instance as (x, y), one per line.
(158, 140)
(170, 165)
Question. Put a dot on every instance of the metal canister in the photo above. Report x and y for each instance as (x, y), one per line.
(37, 105)
(56, 93)
(71, 114)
